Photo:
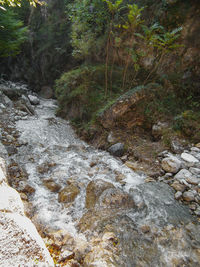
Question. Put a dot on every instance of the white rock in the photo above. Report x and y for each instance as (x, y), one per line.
(34, 99)
(195, 171)
(20, 243)
(195, 149)
(193, 180)
(191, 160)
(171, 164)
(183, 174)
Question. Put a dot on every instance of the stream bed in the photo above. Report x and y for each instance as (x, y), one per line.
(87, 204)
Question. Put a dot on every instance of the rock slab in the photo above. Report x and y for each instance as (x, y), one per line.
(20, 243)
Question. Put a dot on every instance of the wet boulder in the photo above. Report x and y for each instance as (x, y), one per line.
(51, 185)
(115, 199)
(68, 194)
(94, 190)
(117, 150)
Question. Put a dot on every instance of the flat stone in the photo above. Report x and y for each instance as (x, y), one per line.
(189, 158)
(183, 174)
(195, 171)
(193, 180)
(188, 196)
(171, 164)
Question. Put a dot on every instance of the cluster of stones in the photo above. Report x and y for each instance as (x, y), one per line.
(182, 172)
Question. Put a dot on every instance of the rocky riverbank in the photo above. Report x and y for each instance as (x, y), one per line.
(91, 208)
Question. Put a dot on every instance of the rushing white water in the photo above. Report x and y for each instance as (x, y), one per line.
(52, 140)
(152, 228)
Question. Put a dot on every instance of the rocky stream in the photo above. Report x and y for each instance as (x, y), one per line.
(88, 206)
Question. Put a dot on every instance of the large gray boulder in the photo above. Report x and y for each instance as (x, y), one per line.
(20, 243)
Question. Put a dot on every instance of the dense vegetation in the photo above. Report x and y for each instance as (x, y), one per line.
(99, 50)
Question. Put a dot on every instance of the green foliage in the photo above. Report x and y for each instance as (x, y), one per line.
(114, 31)
(89, 22)
(15, 3)
(84, 88)
(12, 33)
(187, 122)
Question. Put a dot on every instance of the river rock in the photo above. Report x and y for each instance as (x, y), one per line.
(195, 171)
(94, 190)
(183, 174)
(24, 187)
(189, 159)
(171, 164)
(176, 146)
(197, 211)
(66, 255)
(20, 242)
(68, 194)
(117, 150)
(195, 149)
(178, 187)
(115, 199)
(34, 99)
(178, 195)
(51, 185)
(193, 180)
(60, 238)
(188, 196)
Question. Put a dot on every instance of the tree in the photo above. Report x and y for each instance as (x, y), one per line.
(12, 32)
(14, 3)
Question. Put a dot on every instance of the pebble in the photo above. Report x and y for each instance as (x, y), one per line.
(193, 180)
(193, 206)
(178, 187)
(178, 195)
(195, 149)
(66, 255)
(188, 196)
(197, 211)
